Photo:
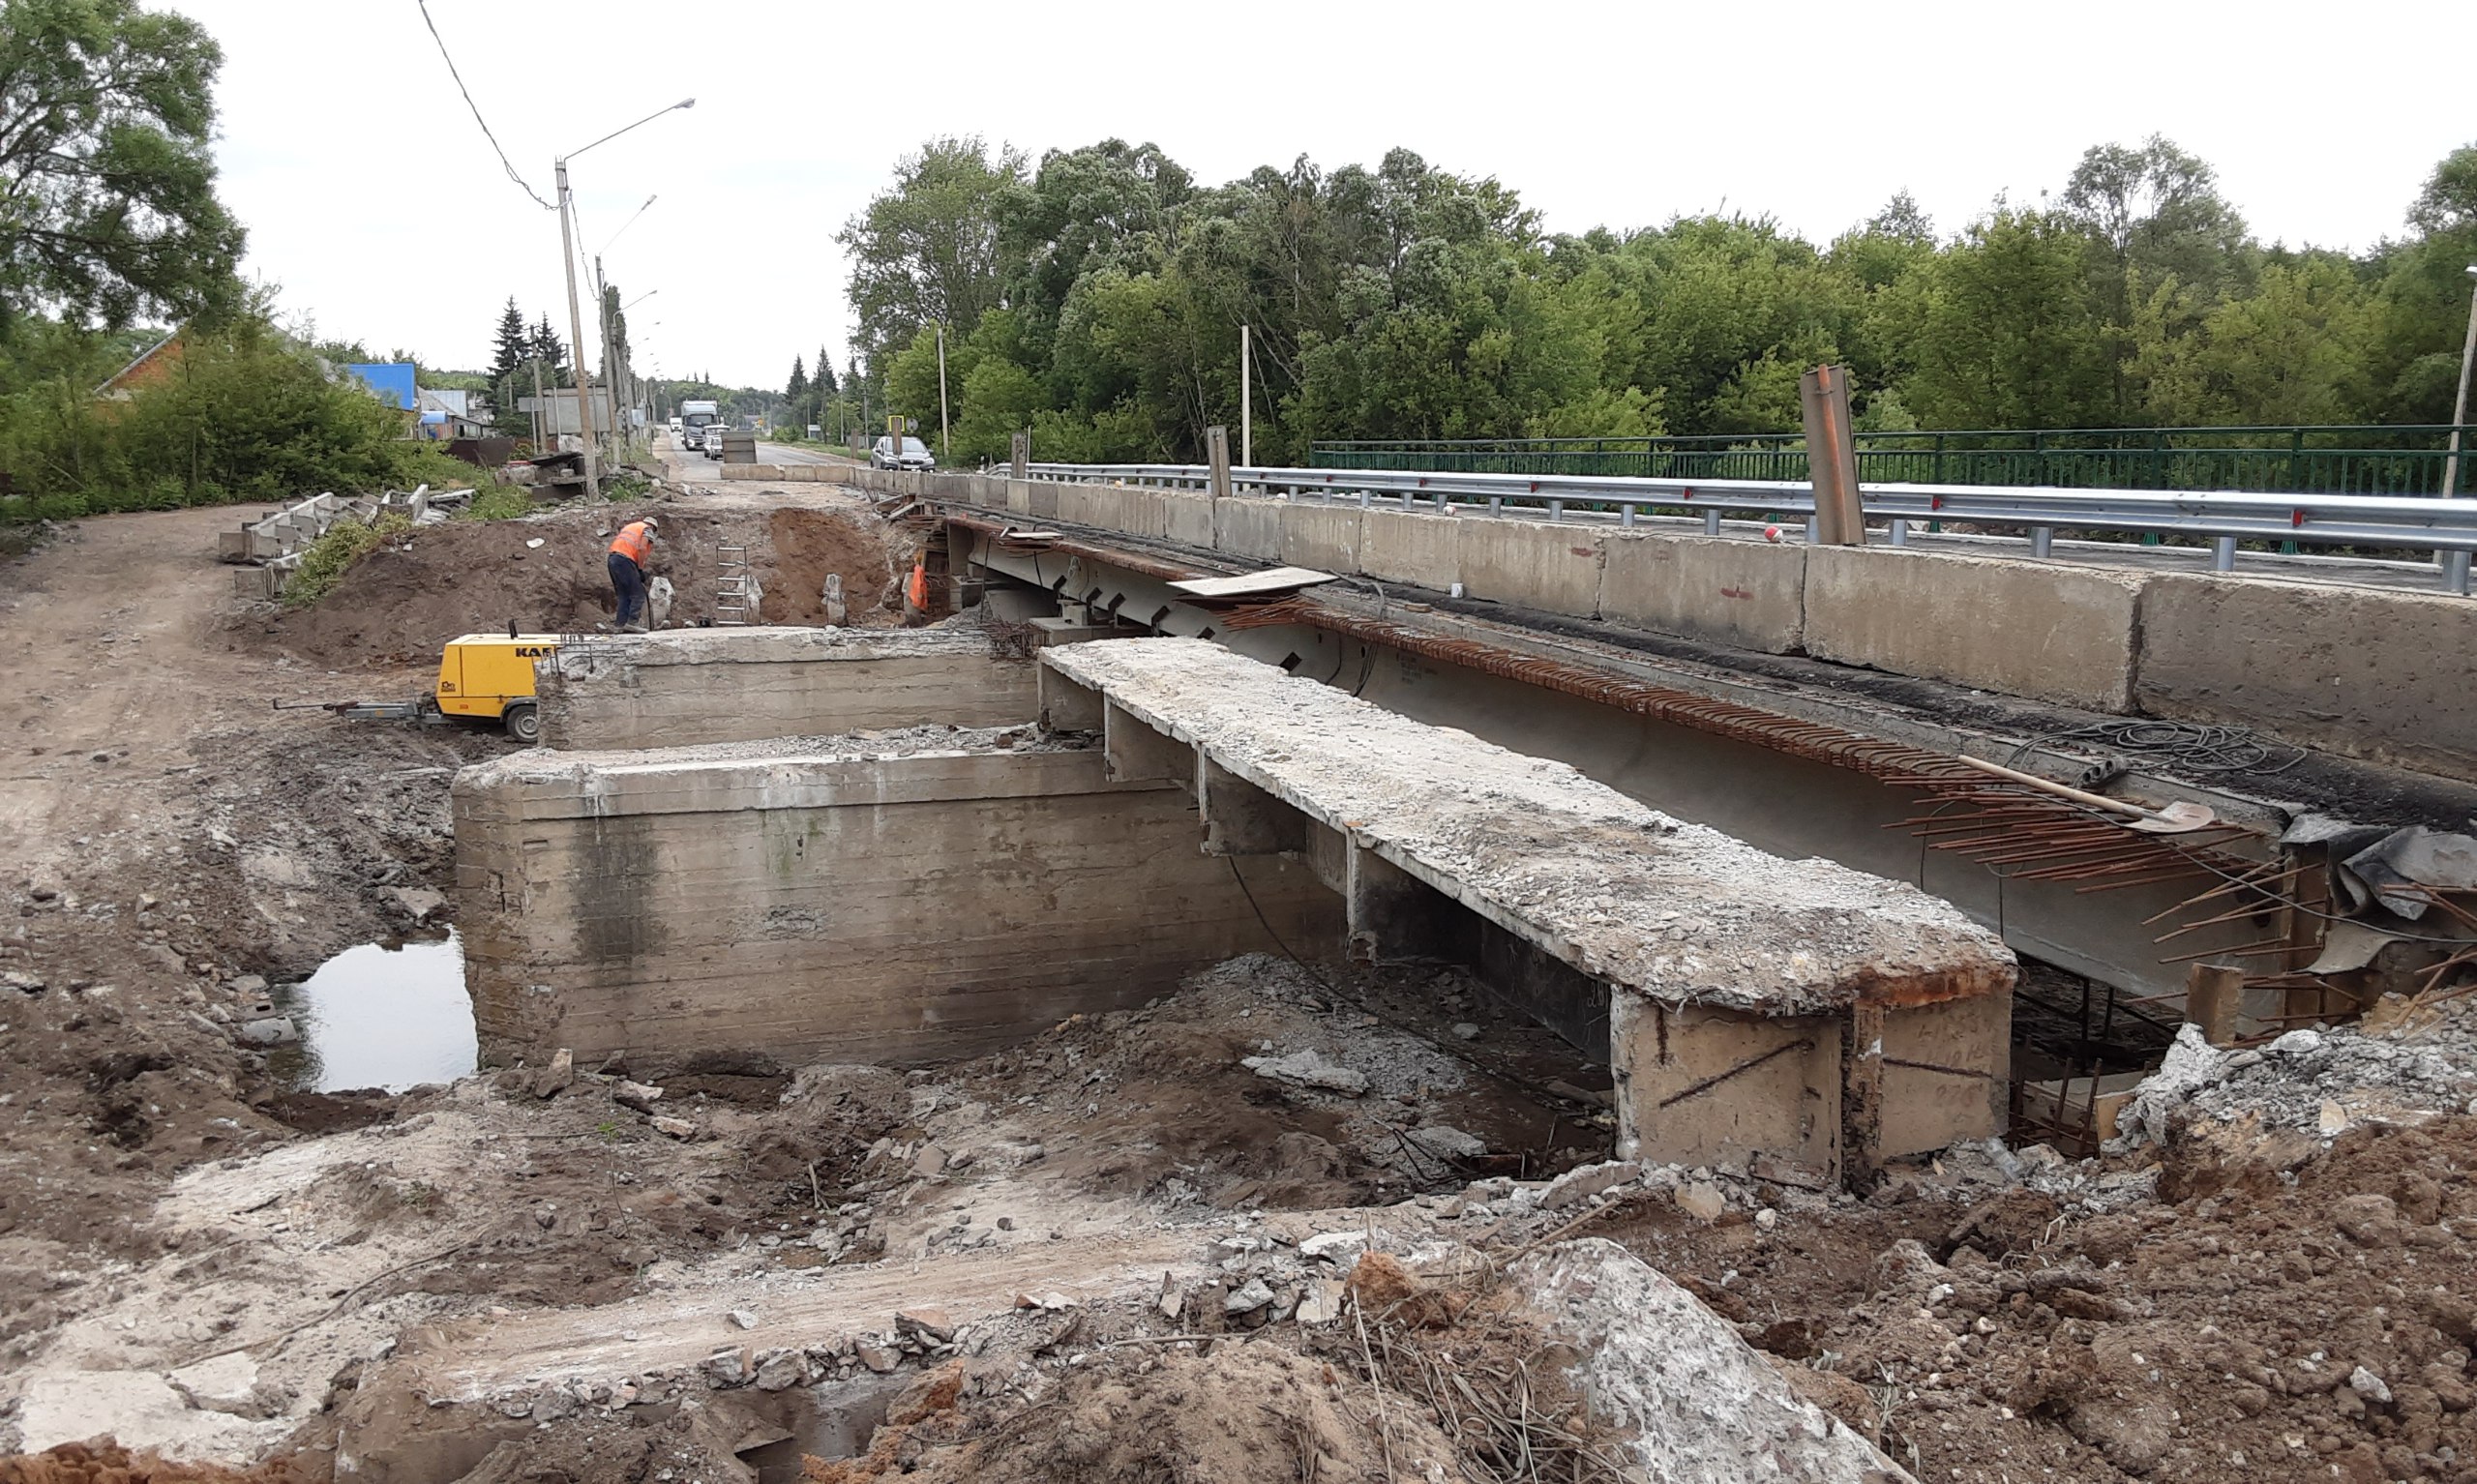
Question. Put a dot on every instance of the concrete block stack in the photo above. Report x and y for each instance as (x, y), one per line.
(268, 551)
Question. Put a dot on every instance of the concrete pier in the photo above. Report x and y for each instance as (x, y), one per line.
(690, 686)
(893, 899)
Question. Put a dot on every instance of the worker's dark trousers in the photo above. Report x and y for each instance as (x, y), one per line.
(629, 582)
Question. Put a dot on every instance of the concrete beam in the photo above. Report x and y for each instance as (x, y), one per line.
(1241, 818)
(1067, 704)
(1134, 753)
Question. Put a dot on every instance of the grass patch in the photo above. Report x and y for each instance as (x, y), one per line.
(503, 502)
(324, 564)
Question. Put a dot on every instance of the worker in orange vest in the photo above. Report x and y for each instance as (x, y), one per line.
(917, 589)
(630, 551)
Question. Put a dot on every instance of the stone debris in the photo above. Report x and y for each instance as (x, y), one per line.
(640, 1096)
(1309, 1069)
(558, 1075)
(1248, 1297)
(675, 1128)
(1586, 1181)
(1702, 1201)
(2414, 1061)
(1334, 1246)
(743, 1319)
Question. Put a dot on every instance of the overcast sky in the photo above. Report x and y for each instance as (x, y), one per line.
(372, 198)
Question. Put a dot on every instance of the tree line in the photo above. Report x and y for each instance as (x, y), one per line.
(1096, 298)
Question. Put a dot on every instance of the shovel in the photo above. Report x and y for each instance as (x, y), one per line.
(2178, 819)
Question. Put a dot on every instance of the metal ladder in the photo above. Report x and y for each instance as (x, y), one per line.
(733, 604)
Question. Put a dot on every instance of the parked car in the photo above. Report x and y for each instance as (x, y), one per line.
(913, 455)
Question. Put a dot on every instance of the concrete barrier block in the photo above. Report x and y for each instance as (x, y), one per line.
(2361, 671)
(1248, 528)
(1534, 564)
(2041, 630)
(1401, 547)
(1040, 499)
(1187, 518)
(1324, 537)
(1019, 496)
(1100, 505)
(1139, 509)
(1749, 594)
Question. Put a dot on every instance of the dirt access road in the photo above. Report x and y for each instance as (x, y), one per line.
(169, 837)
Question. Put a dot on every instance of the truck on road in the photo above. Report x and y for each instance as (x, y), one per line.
(694, 417)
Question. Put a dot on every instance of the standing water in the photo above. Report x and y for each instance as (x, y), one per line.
(382, 1015)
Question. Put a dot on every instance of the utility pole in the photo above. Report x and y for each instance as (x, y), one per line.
(609, 357)
(541, 407)
(576, 336)
(945, 450)
(2455, 564)
(1246, 405)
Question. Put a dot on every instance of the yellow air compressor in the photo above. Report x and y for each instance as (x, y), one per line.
(482, 677)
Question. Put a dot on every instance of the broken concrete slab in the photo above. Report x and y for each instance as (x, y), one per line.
(1712, 959)
(1704, 1407)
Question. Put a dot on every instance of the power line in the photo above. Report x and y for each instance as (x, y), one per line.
(477, 108)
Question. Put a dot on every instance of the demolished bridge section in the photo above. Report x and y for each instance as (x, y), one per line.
(1756, 1007)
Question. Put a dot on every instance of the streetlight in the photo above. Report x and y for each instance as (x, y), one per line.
(576, 318)
(624, 225)
(2455, 565)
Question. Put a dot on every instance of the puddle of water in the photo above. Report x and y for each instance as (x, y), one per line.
(382, 1015)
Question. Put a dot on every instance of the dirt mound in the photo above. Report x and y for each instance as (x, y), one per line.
(399, 604)
(1241, 1413)
(78, 1463)
(806, 545)
(618, 1452)
(2316, 1326)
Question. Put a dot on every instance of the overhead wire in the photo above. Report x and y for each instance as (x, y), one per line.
(505, 163)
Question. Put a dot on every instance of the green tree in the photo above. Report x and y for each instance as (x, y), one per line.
(926, 251)
(798, 386)
(108, 205)
(2293, 351)
(510, 346)
(552, 352)
(2009, 337)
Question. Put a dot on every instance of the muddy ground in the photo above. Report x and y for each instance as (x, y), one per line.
(2239, 1304)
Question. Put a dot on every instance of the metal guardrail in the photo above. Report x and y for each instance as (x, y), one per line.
(2337, 458)
(2388, 524)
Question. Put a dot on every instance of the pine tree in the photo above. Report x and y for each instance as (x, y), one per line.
(825, 374)
(798, 386)
(551, 352)
(511, 345)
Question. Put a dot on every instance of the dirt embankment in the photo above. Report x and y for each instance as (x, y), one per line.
(545, 574)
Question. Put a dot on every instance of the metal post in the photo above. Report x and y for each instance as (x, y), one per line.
(1217, 454)
(1900, 533)
(1832, 458)
(541, 407)
(2222, 553)
(575, 336)
(2042, 541)
(945, 440)
(1711, 522)
(1246, 405)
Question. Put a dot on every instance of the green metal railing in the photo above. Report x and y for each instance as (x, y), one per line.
(2334, 459)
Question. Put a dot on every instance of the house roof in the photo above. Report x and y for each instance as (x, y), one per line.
(113, 381)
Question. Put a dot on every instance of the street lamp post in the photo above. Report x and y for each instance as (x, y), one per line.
(575, 318)
(2456, 563)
